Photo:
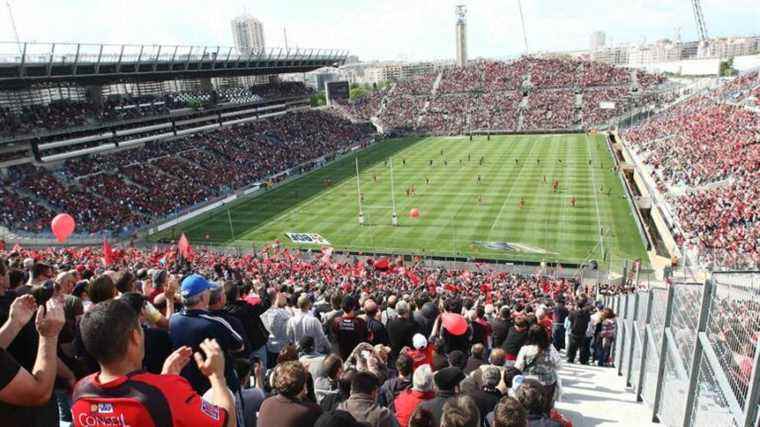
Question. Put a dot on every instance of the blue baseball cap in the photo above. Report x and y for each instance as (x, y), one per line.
(194, 284)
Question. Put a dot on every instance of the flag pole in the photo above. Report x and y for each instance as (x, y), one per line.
(394, 216)
(359, 192)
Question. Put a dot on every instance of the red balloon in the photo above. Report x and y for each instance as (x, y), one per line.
(456, 324)
(63, 225)
(414, 213)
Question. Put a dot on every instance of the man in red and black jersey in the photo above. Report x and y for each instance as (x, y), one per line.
(122, 394)
(348, 329)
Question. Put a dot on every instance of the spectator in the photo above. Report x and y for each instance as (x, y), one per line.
(489, 395)
(500, 326)
(305, 324)
(460, 412)
(401, 329)
(250, 316)
(422, 417)
(376, 328)
(326, 382)
(531, 395)
(349, 330)
(22, 390)
(516, 337)
(289, 407)
(509, 413)
(477, 358)
(395, 385)
(410, 398)
(421, 352)
(538, 359)
(275, 320)
(113, 336)
(194, 324)
(362, 402)
(447, 386)
(579, 320)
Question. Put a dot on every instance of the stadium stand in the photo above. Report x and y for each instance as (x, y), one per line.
(704, 156)
(66, 113)
(123, 190)
(524, 95)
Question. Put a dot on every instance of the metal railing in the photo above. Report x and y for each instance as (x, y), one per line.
(101, 53)
(689, 351)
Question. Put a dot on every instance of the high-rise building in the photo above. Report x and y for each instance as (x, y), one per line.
(248, 34)
(461, 33)
(598, 40)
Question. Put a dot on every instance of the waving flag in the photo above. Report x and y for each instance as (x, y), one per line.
(108, 257)
(415, 279)
(326, 254)
(184, 247)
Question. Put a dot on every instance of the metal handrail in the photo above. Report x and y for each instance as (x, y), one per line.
(100, 53)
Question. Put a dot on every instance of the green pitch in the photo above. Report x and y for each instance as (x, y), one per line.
(459, 215)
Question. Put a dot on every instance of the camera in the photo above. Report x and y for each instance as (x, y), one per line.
(42, 293)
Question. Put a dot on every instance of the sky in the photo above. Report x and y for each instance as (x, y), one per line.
(377, 30)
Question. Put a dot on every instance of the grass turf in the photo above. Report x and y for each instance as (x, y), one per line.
(452, 220)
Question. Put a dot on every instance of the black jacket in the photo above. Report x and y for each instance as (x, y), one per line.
(515, 340)
(435, 405)
(250, 316)
(400, 333)
(486, 399)
(579, 322)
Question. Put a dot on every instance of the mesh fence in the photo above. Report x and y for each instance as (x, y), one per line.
(675, 385)
(732, 329)
(711, 408)
(638, 337)
(656, 326)
(629, 308)
(683, 330)
(687, 300)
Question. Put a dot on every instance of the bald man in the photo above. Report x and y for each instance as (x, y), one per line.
(303, 323)
(376, 328)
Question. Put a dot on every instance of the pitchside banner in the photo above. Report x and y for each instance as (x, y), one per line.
(307, 238)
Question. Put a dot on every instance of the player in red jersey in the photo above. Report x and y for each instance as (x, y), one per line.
(572, 201)
(555, 185)
(122, 394)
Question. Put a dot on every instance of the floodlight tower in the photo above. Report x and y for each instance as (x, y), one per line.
(700, 18)
(461, 33)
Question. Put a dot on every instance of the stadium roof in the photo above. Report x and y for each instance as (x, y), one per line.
(22, 64)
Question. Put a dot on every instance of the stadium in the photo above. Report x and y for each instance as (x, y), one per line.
(338, 223)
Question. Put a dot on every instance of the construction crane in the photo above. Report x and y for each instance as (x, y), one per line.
(700, 18)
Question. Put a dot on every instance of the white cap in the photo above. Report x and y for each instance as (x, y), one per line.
(28, 263)
(419, 342)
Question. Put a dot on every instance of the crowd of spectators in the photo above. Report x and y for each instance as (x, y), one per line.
(285, 338)
(525, 94)
(126, 189)
(705, 154)
(62, 114)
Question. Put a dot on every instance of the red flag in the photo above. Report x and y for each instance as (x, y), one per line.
(415, 279)
(108, 257)
(184, 247)
(382, 264)
(326, 254)
(358, 268)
